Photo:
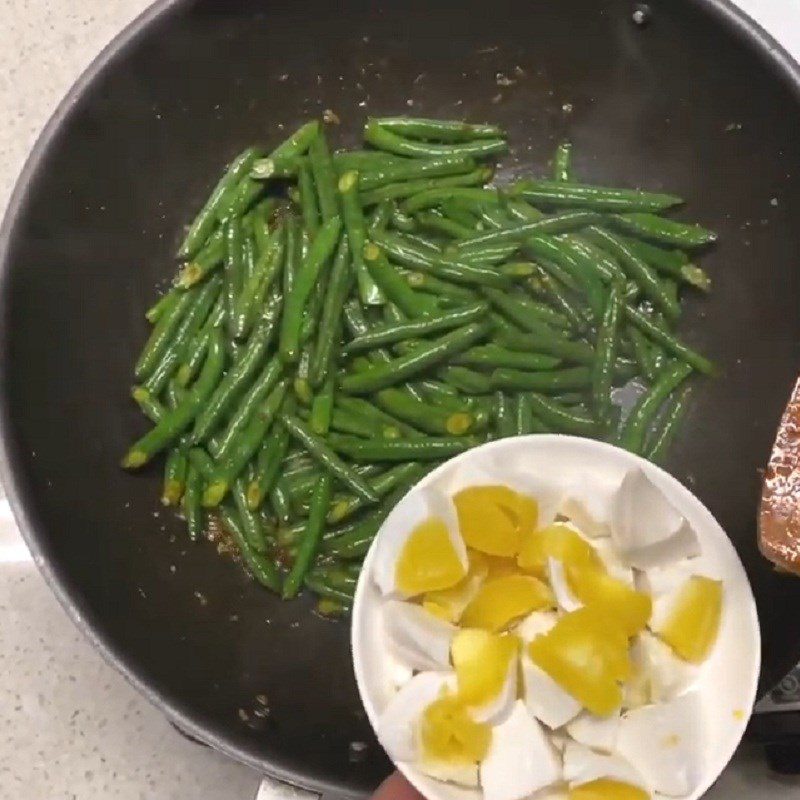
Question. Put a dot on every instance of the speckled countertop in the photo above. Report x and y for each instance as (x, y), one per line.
(71, 728)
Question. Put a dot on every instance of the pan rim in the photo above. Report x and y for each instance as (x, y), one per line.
(724, 12)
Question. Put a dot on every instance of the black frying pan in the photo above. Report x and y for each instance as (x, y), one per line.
(699, 102)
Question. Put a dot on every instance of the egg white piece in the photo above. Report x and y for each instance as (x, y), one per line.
(398, 674)
(666, 743)
(599, 733)
(647, 530)
(612, 562)
(659, 581)
(588, 501)
(582, 765)
(398, 722)
(559, 740)
(520, 760)
(557, 577)
(667, 675)
(544, 698)
(498, 709)
(416, 637)
(413, 510)
(535, 624)
(462, 774)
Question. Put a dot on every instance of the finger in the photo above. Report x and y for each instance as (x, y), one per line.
(396, 787)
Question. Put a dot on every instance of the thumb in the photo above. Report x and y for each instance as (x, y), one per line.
(396, 787)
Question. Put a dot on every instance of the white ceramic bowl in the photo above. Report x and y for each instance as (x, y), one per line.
(728, 680)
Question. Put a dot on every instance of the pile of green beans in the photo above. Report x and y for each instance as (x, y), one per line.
(343, 322)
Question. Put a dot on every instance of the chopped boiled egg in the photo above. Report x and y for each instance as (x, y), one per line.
(666, 743)
(688, 620)
(544, 698)
(599, 733)
(420, 549)
(502, 601)
(416, 637)
(449, 604)
(486, 672)
(449, 735)
(520, 760)
(594, 587)
(535, 624)
(606, 789)
(647, 530)
(560, 541)
(582, 765)
(612, 562)
(659, 674)
(493, 519)
(398, 724)
(587, 655)
(562, 590)
(588, 501)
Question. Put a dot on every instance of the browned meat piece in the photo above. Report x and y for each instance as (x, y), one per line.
(779, 515)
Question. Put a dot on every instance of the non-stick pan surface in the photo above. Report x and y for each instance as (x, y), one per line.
(695, 102)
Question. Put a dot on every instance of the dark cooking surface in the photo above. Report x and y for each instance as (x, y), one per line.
(682, 104)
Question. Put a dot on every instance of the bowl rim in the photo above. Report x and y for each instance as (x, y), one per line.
(724, 12)
(362, 609)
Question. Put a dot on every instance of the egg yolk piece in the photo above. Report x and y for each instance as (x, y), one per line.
(626, 606)
(482, 661)
(607, 789)
(449, 734)
(587, 655)
(502, 601)
(555, 541)
(428, 560)
(449, 604)
(693, 623)
(493, 519)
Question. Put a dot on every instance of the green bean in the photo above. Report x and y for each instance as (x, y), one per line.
(406, 366)
(637, 269)
(330, 322)
(437, 223)
(434, 197)
(321, 250)
(235, 453)
(463, 211)
(174, 476)
(301, 383)
(234, 237)
(201, 461)
(447, 292)
(548, 381)
(492, 356)
(394, 286)
(421, 449)
(560, 418)
(380, 216)
(643, 353)
(562, 163)
(251, 524)
(402, 222)
(413, 169)
(438, 130)
(288, 150)
(322, 407)
(390, 426)
(345, 422)
(669, 342)
(557, 223)
(551, 343)
(364, 160)
(162, 334)
(239, 199)
(330, 607)
(326, 458)
(591, 257)
(674, 263)
(526, 313)
(384, 139)
(203, 297)
(467, 380)
(308, 198)
(408, 188)
(268, 463)
(206, 261)
(646, 408)
(355, 225)
(403, 475)
(425, 416)
(606, 350)
(669, 425)
(279, 499)
(205, 222)
(251, 298)
(319, 158)
(237, 378)
(328, 592)
(262, 569)
(560, 300)
(524, 421)
(162, 305)
(192, 510)
(390, 333)
(663, 231)
(178, 419)
(505, 423)
(599, 198)
(313, 309)
(311, 537)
